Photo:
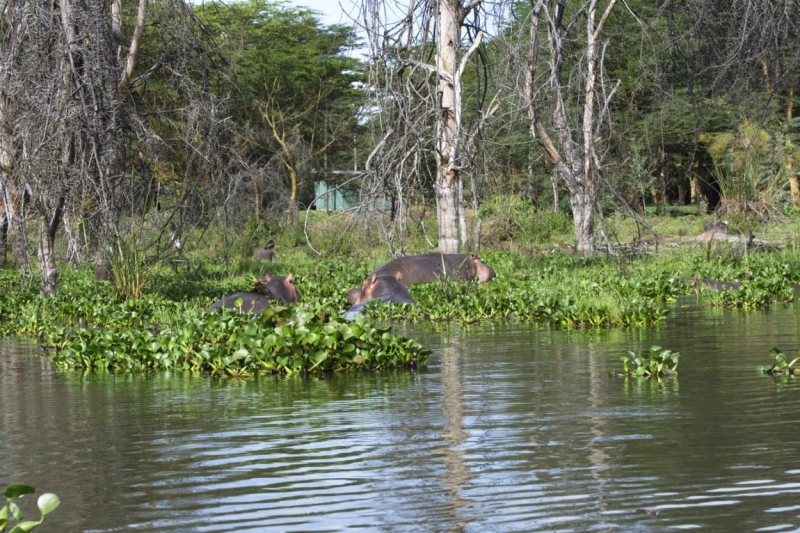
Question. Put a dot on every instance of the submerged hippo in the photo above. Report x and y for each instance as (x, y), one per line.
(427, 268)
(268, 288)
(715, 284)
(383, 288)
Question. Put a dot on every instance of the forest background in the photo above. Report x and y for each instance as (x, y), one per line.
(143, 133)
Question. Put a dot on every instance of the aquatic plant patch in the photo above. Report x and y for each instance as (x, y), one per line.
(652, 363)
(281, 340)
(87, 328)
(781, 366)
(168, 328)
(46, 503)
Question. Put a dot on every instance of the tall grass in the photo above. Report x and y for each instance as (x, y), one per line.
(130, 272)
(749, 170)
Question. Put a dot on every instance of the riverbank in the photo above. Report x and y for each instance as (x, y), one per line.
(86, 326)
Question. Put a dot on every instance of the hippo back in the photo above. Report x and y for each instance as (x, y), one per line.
(431, 267)
(275, 288)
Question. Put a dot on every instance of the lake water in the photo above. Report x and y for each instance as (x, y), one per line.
(509, 428)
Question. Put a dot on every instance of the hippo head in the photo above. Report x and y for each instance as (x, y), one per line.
(483, 272)
(375, 286)
(278, 288)
(353, 296)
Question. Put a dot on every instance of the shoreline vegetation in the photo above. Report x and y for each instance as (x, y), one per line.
(91, 325)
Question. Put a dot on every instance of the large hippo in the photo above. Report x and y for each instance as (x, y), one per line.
(383, 288)
(715, 284)
(427, 268)
(268, 288)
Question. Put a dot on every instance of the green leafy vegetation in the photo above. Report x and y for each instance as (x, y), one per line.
(87, 327)
(652, 363)
(566, 291)
(781, 367)
(47, 503)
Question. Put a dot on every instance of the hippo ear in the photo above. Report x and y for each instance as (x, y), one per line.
(373, 279)
(398, 275)
(267, 278)
(290, 278)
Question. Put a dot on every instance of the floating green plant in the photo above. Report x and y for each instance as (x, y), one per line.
(281, 340)
(654, 362)
(47, 503)
(781, 367)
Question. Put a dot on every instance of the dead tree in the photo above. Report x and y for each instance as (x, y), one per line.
(574, 152)
(417, 64)
(67, 119)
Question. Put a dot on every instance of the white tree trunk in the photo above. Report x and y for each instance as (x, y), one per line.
(447, 127)
(582, 203)
(572, 159)
(3, 236)
(47, 261)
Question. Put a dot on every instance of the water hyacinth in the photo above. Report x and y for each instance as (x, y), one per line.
(168, 327)
(652, 363)
(282, 340)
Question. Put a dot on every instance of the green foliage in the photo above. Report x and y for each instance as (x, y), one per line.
(130, 273)
(781, 367)
(749, 171)
(296, 84)
(566, 291)
(508, 217)
(273, 42)
(282, 340)
(47, 503)
(766, 278)
(168, 328)
(654, 362)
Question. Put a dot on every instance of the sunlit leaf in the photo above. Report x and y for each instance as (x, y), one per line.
(15, 491)
(47, 502)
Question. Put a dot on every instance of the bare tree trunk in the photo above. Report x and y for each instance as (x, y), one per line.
(582, 202)
(462, 214)
(3, 235)
(47, 263)
(554, 183)
(573, 160)
(14, 208)
(102, 265)
(448, 178)
(76, 242)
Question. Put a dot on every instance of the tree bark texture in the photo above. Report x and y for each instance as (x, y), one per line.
(3, 236)
(448, 177)
(47, 262)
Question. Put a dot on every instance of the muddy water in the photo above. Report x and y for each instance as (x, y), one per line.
(510, 428)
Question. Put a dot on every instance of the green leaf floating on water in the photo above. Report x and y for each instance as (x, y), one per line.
(24, 527)
(15, 491)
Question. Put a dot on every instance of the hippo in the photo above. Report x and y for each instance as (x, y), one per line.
(715, 284)
(427, 268)
(268, 288)
(383, 288)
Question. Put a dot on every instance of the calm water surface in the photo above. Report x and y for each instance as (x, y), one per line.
(510, 428)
